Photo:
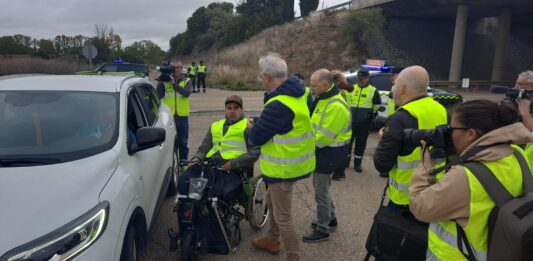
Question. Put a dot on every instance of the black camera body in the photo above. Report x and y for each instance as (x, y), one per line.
(439, 138)
(511, 94)
(166, 71)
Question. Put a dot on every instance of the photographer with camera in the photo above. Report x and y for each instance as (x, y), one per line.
(177, 90)
(481, 131)
(525, 82)
(418, 111)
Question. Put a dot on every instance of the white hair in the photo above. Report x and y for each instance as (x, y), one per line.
(528, 75)
(273, 65)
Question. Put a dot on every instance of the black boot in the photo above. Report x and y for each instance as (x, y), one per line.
(357, 164)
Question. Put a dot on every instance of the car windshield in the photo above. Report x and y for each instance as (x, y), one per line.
(55, 126)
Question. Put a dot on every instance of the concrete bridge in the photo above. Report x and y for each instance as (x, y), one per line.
(505, 13)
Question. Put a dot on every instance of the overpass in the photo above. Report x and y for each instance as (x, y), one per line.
(508, 13)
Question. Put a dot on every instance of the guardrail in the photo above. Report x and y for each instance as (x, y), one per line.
(473, 84)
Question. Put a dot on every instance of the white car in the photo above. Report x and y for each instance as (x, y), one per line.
(85, 162)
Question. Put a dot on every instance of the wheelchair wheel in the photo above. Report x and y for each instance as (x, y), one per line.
(258, 213)
(188, 247)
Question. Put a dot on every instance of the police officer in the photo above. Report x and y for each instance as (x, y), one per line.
(177, 93)
(332, 130)
(202, 73)
(192, 69)
(364, 103)
(416, 110)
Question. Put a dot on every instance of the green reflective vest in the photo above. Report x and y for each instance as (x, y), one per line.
(347, 96)
(429, 115)
(178, 104)
(232, 144)
(290, 155)
(362, 97)
(331, 122)
(390, 103)
(192, 70)
(529, 154)
(442, 236)
(202, 69)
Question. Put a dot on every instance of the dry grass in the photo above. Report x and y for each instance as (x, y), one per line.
(26, 64)
(307, 45)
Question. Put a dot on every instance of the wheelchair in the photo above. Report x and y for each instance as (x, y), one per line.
(205, 215)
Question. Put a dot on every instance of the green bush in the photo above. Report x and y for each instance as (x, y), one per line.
(364, 27)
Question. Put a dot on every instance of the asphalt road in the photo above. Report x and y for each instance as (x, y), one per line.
(357, 197)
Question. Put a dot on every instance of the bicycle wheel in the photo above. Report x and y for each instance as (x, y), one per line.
(188, 247)
(258, 213)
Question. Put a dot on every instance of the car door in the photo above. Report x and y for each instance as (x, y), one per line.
(147, 162)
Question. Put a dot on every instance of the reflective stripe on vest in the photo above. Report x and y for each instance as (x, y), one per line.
(442, 236)
(342, 122)
(177, 104)
(429, 114)
(290, 155)
(362, 97)
(232, 144)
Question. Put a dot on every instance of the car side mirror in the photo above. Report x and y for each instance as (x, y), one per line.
(147, 137)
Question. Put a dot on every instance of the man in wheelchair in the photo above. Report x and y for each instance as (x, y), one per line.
(226, 145)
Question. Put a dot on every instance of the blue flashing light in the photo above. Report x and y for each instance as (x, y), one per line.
(376, 68)
(118, 61)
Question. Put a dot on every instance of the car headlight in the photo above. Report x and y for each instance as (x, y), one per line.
(66, 242)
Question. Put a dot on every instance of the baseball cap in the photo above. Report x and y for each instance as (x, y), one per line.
(234, 98)
(362, 74)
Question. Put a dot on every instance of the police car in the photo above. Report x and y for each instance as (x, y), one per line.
(85, 163)
(380, 78)
(118, 66)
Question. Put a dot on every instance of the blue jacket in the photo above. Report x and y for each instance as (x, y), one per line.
(276, 118)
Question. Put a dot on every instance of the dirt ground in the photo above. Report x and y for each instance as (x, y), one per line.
(357, 197)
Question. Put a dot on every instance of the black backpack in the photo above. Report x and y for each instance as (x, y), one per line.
(510, 222)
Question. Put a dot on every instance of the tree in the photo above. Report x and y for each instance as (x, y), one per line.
(144, 51)
(46, 49)
(308, 6)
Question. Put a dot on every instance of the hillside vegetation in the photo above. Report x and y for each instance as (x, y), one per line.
(340, 40)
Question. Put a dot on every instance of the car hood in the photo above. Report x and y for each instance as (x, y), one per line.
(39, 199)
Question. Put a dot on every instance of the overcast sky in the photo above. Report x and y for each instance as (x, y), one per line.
(133, 20)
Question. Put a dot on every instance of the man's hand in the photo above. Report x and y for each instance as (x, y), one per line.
(381, 131)
(227, 166)
(250, 123)
(172, 80)
(193, 161)
(523, 106)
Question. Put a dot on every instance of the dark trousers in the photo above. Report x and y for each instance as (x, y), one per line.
(360, 133)
(193, 81)
(201, 80)
(182, 137)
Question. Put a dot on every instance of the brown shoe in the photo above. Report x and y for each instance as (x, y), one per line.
(267, 245)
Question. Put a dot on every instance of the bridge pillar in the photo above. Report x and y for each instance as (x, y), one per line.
(458, 42)
(504, 26)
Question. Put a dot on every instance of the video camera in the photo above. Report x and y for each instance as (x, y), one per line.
(512, 94)
(439, 138)
(166, 71)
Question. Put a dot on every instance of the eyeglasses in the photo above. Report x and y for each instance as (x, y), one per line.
(457, 128)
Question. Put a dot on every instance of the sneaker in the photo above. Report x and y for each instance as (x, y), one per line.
(332, 225)
(267, 245)
(315, 236)
(384, 174)
(358, 168)
(203, 91)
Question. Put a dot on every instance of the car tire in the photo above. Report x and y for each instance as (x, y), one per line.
(173, 184)
(129, 246)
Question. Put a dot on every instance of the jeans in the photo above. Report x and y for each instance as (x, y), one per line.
(182, 137)
(325, 206)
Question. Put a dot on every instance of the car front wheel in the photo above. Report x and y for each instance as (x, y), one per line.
(129, 246)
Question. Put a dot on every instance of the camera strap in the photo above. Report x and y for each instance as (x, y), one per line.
(464, 158)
